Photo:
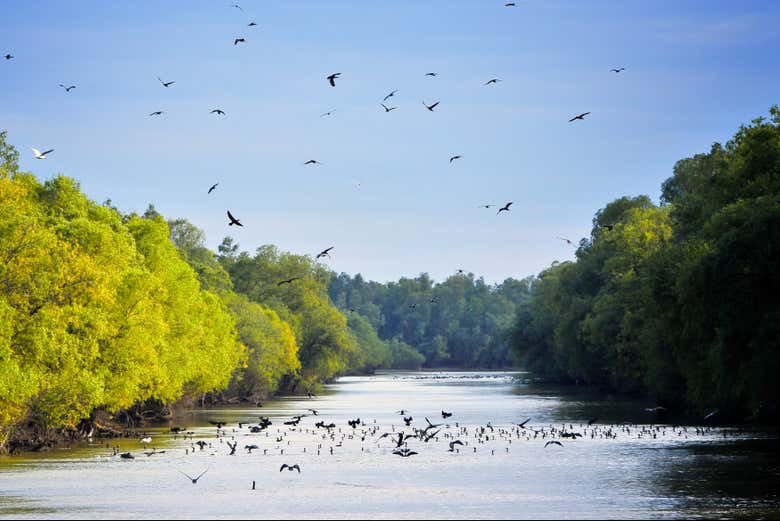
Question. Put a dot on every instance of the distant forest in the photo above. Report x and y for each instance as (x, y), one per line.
(103, 311)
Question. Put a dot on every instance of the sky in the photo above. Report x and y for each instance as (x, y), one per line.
(385, 196)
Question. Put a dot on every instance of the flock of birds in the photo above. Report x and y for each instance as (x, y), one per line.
(308, 435)
(331, 80)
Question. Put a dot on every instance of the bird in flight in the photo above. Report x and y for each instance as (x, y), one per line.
(488, 206)
(553, 442)
(509, 4)
(67, 89)
(233, 220)
(581, 116)
(522, 425)
(492, 82)
(565, 240)
(328, 113)
(251, 24)
(218, 111)
(388, 109)
(157, 113)
(453, 443)
(8, 56)
(39, 154)
(431, 107)
(195, 480)
(213, 187)
(164, 83)
(432, 74)
(505, 208)
(390, 95)
(312, 162)
(453, 158)
(404, 453)
(290, 468)
(238, 7)
(325, 253)
(617, 71)
(332, 78)
(289, 281)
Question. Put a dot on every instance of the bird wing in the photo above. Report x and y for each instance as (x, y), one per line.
(230, 216)
(434, 105)
(35, 151)
(190, 477)
(47, 152)
(201, 474)
(297, 468)
(284, 466)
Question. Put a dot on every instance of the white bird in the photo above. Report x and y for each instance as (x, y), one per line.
(147, 440)
(39, 154)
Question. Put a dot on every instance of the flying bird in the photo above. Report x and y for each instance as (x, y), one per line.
(233, 221)
(67, 89)
(453, 443)
(218, 111)
(431, 107)
(237, 7)
(332, 78)
(565, 240)
(388, 109)
(581, 116)
(616, 71)
(39, 154)
(522, 425)
(239, 40)
(505, 208)
(509, 4)
(8, 57)
(251, 24)
(328, 113)
(289, 281)
(445, 415)
(486, 206)
(553, 442)
(325, 253)
(312, 162)
(157, 113)
(432, 74)
(195, 480)
(290, 468)
(453, 158)
(390, 95)
(165, 84)
(213, 187)
(492, 82)
(404, 453)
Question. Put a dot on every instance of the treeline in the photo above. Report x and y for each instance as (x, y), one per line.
(122, 313)
(679, 301)
(461, 322)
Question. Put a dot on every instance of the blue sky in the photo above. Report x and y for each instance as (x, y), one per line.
(385, 196)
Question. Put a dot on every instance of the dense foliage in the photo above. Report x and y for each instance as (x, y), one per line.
(461, 322)
(678, 301)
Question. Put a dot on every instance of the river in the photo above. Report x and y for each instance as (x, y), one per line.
(639, 471)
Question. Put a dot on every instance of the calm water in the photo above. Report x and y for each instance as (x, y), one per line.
(670, 476)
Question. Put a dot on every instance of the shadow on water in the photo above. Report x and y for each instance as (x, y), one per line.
(16, 506)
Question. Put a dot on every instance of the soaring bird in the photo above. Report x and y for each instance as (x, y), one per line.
(195, 480)
(492, 82)
(233, 220)
(388, 109)
(553, 442)
(431, 107)
(218, 111)
(67, 89)
(505, 208)
(157, 113)
(312, 162)
(289, 281)
(239, 40)
(565, 240)
(251, 24)
(328, 113)
(522, 425)
(453, 443)
(238, 7)
(290, 468)
(432, 74)
(404, 453)
(8, 56)
(325, 252)
(213, 187)
(487, 206)
(390, 95)
(581, 116)
(39, 154)
(453, 158)
(445, 415)
(332, 78)
(431, 425)
(509, 4)
(617, 71)
(165, 84)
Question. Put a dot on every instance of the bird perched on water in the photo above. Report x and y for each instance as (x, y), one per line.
(126, 455)
(492, 82)
(290, 468)
(288, 281)
(238, 40)
(218, 111)
(233, 221)
(194, 480)
(581, 116)
(505, 208)
(164, 83)
(453, 443)
(67, 89)
(39, 154)
(332, 78)
(553, 442)
(387, 109)
(430, 107)
(325, 253)
(213, 187)
(390, 95)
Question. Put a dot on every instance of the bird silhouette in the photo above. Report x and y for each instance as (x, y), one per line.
(218, 111)
(67, 89)
(445, 415)
(213, 187)
(288, 281)
(388, 109)
(312, 162)
(8, 57)
(453, 443)
(432, 74)
(390, 95)
(332, 78)
(617, 71)
(492, 82)
(553, 442)
(486, 206)
(39, 154)
(565, 240)
(238, 7)
(430, 107)
(194, 480)
(325, 253)
(509, 4)
(233, 221)
(126, 455)
(505, 208)
(165, 84)
(290, 468)
(238, 40)
(404, 453)
(251, 24)
(581, 116)
(453, 158)
(157, 113)
(327, 113)
(522, 425)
